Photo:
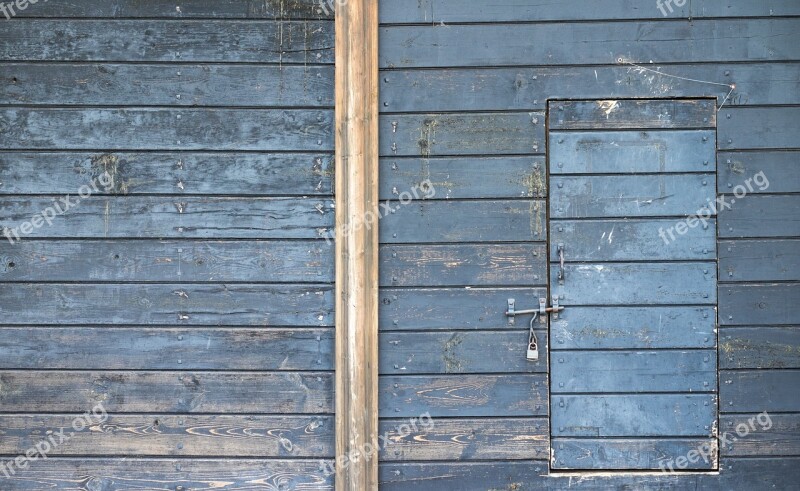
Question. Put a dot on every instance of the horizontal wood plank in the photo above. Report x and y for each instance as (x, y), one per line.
(755, 391)
(464, 177)
(174, 173)
(164, 217)
(632, 113)
(447, 11)
(521, 264)
(759, 172)
(466, 439)
(631, 415)
(759, 127)
(464, 221)
(529, 88)
(590, 43)
(168, 392)
(630, 284)
(627, 152)
(761, 434)
(107, 84)
(460, 352)
(759, 304)
(633, 328)
(627, 239)
(165, 349)
(760, 260)
(166, 304)
(759, 347)
(759, 216)
(628, 454)
(160, 260)
(463, 396)
(407, 309)
(632, 196)
(166, 129)
(157, 434)
(634, 371)
(168, 41)
(188, 9)
(428, 135)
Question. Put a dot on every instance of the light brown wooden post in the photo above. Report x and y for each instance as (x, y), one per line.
(357, 243)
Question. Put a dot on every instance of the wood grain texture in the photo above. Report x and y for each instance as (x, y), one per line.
(631, 239)
(529, 88)
(167, 304)
(456, 265)
(631, 415)
(464, 177)
(464, 221)
(761, 434)
(605, 328)
(168, 392)
(452, 11)
(632, 113)
(759, 347)
(188, 9)
(577, 152)
(463, 396)
(759, 216)
(62, 474)
(166, 217)
(780, 171)
(755, 391)
(451, 308)
(357, 170)
(590, 43)
(759, 304)
(161, 260)
(299, 42)
(165, 349)
(185, 435)
(466, 439)
(619, 453)
(176, 173)
(761, 127)
(634, 371)
(166, 129)
(460, 352)
(428, 135)
(109, 84)
(760, 260)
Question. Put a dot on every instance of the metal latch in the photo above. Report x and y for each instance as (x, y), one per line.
(541, 313)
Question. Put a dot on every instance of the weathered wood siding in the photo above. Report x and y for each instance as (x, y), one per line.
(464, 89)
(193, 298)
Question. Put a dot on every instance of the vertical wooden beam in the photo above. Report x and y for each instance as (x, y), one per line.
(357, 244)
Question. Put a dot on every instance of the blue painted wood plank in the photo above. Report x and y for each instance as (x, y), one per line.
(759, 304)
(632, 113)
(189, 9)
(759, 260)
(626, 239)
(408, 309)
(759, 347)
(766, 171)
(760, 216)
(602, 328)
(590, 43)
(632, 415)
(618, 453)
(428, 135)
(629, 152)
(461, 352)
(759, 127)
(629, 284)
(463, 396)
(761, 434)
(634, 371)
(755, 391)
(631, 196)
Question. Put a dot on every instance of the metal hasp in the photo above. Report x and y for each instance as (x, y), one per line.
(541, 313)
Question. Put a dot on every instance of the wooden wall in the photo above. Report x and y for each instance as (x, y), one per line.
(193, 298)
(463, 90)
